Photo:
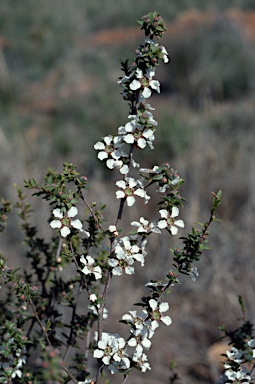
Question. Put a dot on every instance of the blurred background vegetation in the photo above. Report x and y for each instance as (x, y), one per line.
(59, 66)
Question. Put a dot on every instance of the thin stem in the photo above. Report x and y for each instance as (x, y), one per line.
(125, 379)
(99, 371)
(91, 211)
(70, 341)
(48, 340)
(121, 206)
(87, 344)
(100, 364)
(252, 371)
(40, 324)
(109, 274)
(59, 247)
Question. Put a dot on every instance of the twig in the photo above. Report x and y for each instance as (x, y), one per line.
(69, 341)
(48, 340)
(40, 324)
(91, 211)
(125, 379)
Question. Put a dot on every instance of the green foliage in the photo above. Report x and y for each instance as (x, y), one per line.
(5, 208)
(152, 25)
(55, 187)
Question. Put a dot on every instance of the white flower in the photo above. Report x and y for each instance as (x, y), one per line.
(87, 381)
(251, 343)
(155, 170)
(89, 267)
(140, 337)
(125, 79)
(133, 162)
(165, 54)
(106, 348)
(141, 359)
(168, 221)
(93, 297)
(130, 249)
(137, 321)
(121, 263)
(162, 49)
(9, 365)
(65, 222)
(111, 350)
(240, 376)
(148, 116)
(95, 309)
(143, 104)
(134, 132)
(145, 227)
(120, 356)
(158, 284)
(145, 82)
(144, 117)
(110, 149)
(131, 187)
(235, 355)
(193, 273)
(123, 168)
(113, 230)
(156, 314)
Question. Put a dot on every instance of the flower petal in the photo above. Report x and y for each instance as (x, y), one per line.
(175, 212)
(108, 139)
(163, 213)
(146, 93)
(180, 223)
(72, 212)
(102, 155)
(65, 231)
(153, 304)
(124, 170)
(129, 138)
(120, 194)
(173, 230)
(166, 320)
(163, 307)
(130, 201)
(141, 142)
(57, 213)
(77, 224)
(121, 184)
(162, 224)
(55, 224)
(135, 85)
(155, 85)
(99, 145)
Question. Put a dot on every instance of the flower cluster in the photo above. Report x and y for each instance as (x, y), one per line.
(126, 251)
(111, 349)
(137, 84)
(142, 328)
(234, 369)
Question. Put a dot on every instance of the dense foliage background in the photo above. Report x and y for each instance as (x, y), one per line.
(59, 66)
